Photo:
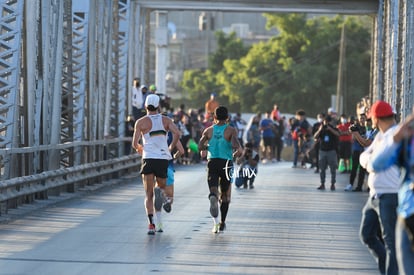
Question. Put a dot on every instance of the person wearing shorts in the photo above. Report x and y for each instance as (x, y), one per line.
(217, 143)
(168, 194)
(155, 151)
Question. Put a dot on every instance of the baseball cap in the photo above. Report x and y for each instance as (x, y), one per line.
(153, 88)
(381, 109)
(153, 100)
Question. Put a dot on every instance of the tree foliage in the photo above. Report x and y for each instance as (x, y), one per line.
(296, 69)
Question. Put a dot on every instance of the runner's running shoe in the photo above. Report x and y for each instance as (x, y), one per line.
(167, 205)
(159, 226)
(158, 198)
(222, 226)
(216, 228)
(213, 205)
(151, 229)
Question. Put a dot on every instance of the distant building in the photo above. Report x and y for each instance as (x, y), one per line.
(189, 47)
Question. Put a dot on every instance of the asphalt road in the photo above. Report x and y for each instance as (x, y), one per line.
(283, 226)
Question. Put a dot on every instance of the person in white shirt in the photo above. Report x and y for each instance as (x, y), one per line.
(380, 211)
(156, 153)
(137, 99)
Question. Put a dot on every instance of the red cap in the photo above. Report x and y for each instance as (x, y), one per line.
(380, 109)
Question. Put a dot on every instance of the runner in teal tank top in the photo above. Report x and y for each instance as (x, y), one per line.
(218, 142)
(218, 146)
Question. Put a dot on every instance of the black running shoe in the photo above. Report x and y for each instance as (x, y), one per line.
(222, 226)
(167, 205)
(214, 209)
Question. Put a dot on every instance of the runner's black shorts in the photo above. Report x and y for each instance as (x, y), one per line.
(219, 173)
(158, 167)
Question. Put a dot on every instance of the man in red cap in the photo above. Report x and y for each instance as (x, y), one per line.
(380, 210)
(399, 150)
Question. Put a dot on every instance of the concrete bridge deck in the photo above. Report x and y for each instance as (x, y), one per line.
(283, 226)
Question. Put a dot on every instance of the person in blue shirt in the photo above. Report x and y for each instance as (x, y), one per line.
(399, 149)
(220, 144)
(168, 192)
(268, 138)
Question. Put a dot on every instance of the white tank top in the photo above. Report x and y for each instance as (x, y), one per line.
(155, 141)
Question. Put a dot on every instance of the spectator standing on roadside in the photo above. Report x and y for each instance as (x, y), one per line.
(379, 211)
(211, 106)
(137, 99)
(240, 124)
(268, 138)
(253, 132)
(345, 143)
(300, 128)
(399, 149)
(275, 114)
(316, 144)
(327, 135)
(278, 129)
(359, 142)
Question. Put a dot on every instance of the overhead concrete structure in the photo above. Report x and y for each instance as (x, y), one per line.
(302, 6)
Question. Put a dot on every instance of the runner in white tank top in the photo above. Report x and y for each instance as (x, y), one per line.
(153, 129)
(155, 141)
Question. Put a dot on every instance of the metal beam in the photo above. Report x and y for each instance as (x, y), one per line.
(301, 6)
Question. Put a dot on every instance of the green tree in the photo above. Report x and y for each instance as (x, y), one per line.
(197, 85)
(229, 47)
(296, 69)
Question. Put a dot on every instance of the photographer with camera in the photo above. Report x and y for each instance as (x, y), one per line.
(247, 171)
(361, 139)
(328, 136)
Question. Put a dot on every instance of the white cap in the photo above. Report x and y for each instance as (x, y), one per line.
(153, 100)
(331, 110)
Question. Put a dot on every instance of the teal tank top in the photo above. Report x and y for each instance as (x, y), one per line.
(218, 146)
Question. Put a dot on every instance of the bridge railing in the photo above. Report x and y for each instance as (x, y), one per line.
(26, 189)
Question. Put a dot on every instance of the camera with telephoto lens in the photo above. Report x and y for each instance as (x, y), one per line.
(354, 128)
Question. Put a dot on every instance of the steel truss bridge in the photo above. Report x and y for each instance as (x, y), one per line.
(65, 77)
